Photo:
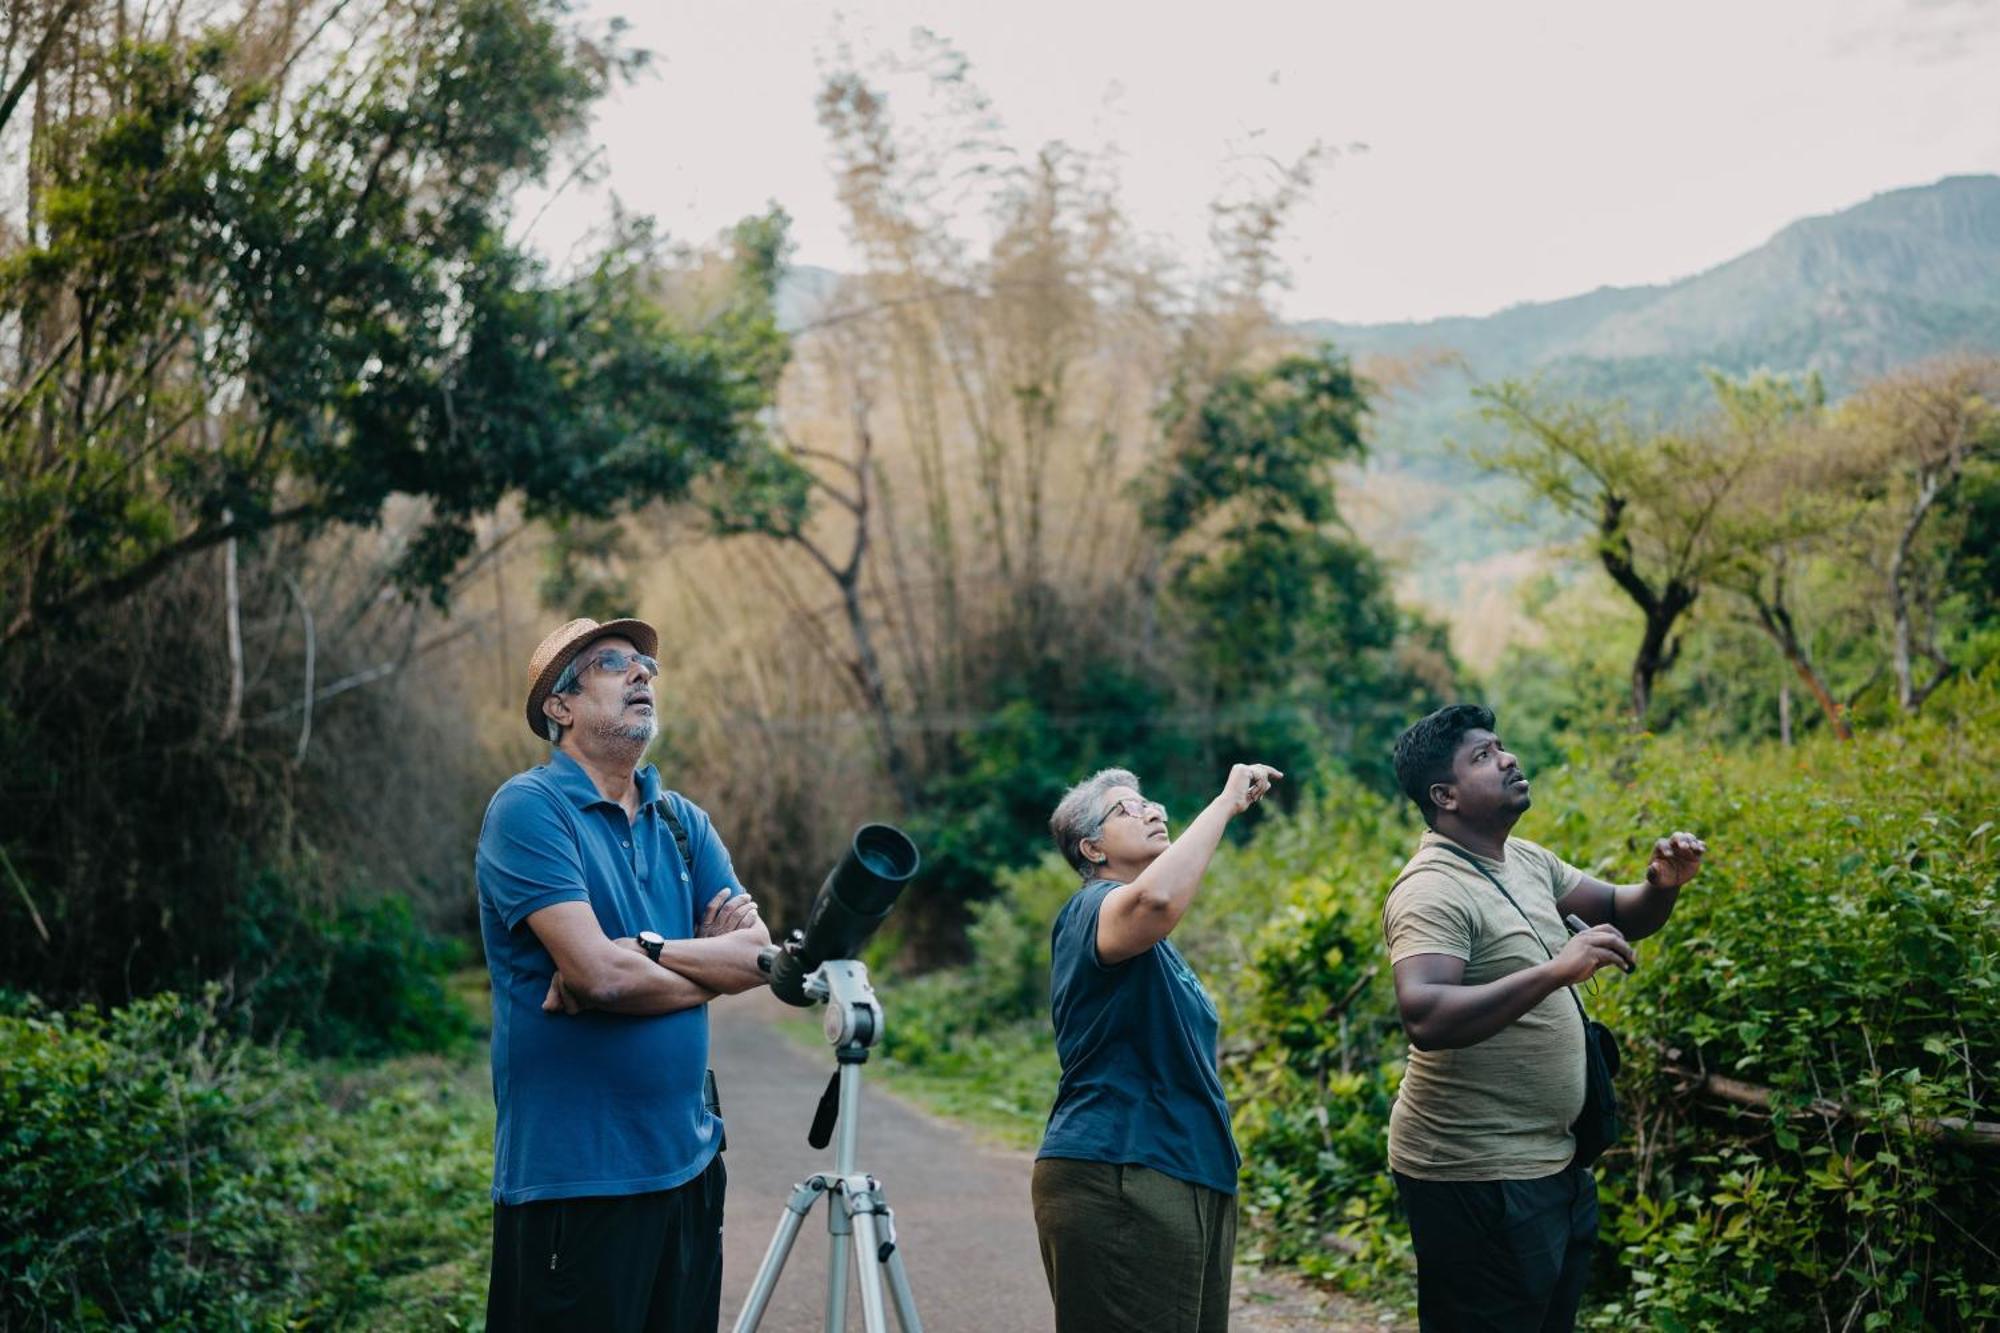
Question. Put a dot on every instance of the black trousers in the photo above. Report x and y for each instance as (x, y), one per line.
(1501, 1256)
(624, 1264)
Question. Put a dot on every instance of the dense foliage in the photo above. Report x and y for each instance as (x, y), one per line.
(277, 373)
(1839, 956)
(1273, 633)
(159, 1172)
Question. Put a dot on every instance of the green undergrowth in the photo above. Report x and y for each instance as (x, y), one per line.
(160, 1171)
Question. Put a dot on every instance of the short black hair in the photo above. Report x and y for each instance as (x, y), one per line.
(1424, 750)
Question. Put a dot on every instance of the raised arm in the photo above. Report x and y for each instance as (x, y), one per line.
(1136, 916)
(1638, 910)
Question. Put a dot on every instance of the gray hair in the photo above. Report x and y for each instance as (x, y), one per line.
(1080, 814)
(569, 682)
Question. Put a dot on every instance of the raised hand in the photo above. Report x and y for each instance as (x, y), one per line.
(1676, 860)
(1247, 785)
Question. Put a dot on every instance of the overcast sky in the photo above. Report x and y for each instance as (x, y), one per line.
(1513, 151)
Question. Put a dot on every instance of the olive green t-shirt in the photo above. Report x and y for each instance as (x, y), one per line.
(1501, 1109)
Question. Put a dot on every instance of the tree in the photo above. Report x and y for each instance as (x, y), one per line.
(269, 358)
(1287, 618)
(321, 309)
(1650, 499)
(1788, 504)
(1921, 427)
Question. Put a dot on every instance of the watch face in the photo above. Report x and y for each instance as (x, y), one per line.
(652, 942)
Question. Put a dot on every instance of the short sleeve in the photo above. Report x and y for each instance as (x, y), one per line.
(1560, 874)
(712, 870)
(1426, 913)
(1073, 943)
(528, 857)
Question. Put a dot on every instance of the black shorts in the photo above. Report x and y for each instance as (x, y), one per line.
(620, 1264)
(1501, 1256)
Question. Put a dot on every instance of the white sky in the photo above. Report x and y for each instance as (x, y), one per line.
(1514, 151)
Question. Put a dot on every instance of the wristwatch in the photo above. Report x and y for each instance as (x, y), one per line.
(652, 942)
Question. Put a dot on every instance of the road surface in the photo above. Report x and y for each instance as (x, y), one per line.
(962, 1210)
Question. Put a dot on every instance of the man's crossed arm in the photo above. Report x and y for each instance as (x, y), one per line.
(594, 971)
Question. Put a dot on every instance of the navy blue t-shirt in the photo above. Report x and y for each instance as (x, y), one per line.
(1140, 1082)
(592, 1103)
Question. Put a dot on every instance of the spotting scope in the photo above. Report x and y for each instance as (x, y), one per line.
(855, 899)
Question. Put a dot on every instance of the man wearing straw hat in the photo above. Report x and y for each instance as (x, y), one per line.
(611, 916)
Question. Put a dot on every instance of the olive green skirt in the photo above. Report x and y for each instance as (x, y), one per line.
(1128, 1249)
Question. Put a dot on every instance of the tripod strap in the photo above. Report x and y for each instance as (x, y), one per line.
(821, 1132)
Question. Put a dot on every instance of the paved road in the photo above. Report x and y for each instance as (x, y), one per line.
(962, 1211)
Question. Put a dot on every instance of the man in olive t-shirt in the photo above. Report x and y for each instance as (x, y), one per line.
(1502, 1219)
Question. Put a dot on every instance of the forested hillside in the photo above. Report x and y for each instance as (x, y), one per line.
(1909, 275)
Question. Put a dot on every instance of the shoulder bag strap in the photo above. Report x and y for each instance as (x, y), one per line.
(679, 830)
(1490, 879)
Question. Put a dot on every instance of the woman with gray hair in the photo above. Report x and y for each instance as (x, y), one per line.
(1135, 1185)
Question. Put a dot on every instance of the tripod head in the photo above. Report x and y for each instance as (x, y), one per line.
(853, 1014)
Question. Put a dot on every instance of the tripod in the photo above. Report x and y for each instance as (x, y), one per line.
(857, 1210)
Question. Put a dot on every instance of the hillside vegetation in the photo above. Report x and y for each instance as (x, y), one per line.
(1907, 276)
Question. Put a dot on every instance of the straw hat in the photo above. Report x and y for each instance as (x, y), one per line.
(556, 651)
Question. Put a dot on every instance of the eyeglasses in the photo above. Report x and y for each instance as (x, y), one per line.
(617, 661)
(1134, 806)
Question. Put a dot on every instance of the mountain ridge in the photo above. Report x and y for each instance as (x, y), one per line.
(1919, 267)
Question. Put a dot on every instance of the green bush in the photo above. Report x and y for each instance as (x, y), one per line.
(360, 977)
(1842, 945)
(1312, 1074)
(975, 1040)
(398, 1205)
(159, 1171)
(136, 1189)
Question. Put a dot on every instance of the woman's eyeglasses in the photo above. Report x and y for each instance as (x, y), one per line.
(1136, 807)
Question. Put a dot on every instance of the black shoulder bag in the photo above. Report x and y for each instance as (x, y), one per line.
(1597, 1126)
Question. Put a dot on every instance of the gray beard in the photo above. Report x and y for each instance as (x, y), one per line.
(632, 739)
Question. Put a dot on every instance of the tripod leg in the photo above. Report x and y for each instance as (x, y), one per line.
(889, 1255)
(803, 1197)
(899, 1290)
(839, 1230)
(867, 1248)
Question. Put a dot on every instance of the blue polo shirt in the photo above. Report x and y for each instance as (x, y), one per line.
(1140, 1082)
(592, 1103)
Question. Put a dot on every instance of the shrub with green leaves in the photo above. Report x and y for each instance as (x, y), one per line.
(136, 1190)
(359, 976)
(1841, 949)
(1836, 960)
(158, 1171)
